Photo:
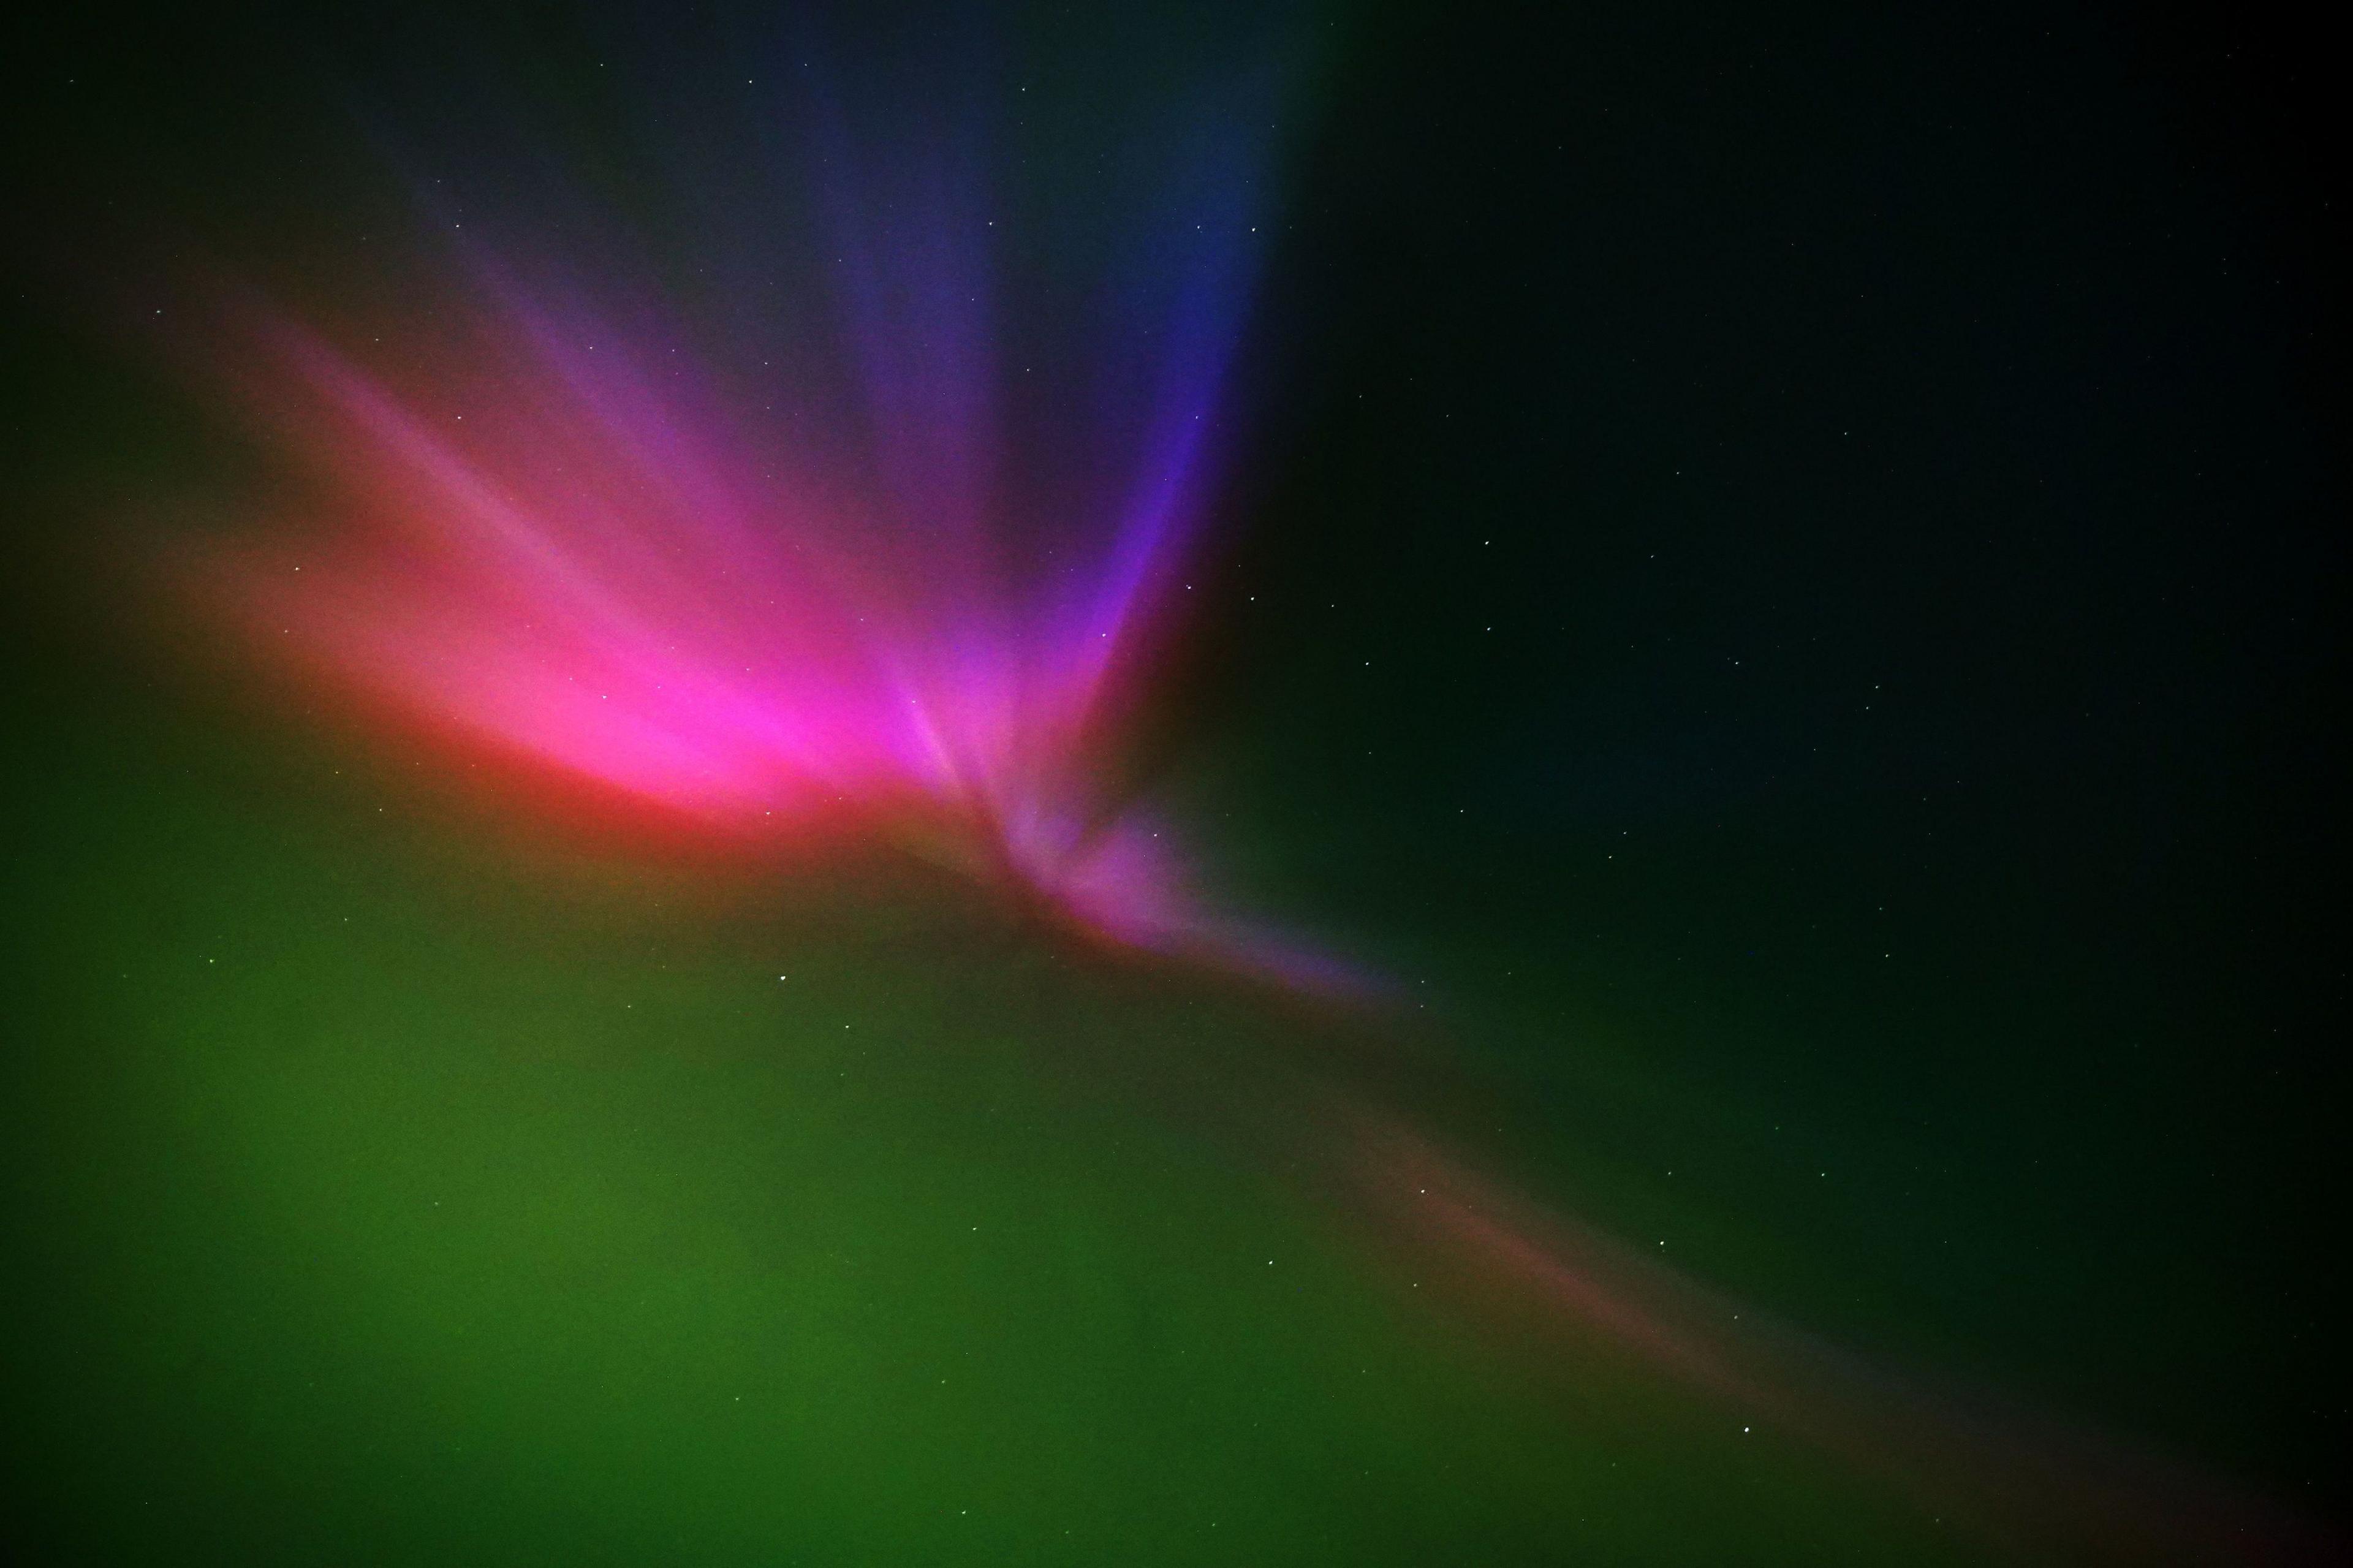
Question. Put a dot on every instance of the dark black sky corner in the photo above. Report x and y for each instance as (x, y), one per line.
(1828, 531)
(1806, 547)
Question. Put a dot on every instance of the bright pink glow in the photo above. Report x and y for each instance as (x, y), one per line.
(605, 558)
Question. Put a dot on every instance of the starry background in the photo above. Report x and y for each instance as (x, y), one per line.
(1786, 582)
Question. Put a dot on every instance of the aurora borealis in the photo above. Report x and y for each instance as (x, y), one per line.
(1181, 784)
(869, 577)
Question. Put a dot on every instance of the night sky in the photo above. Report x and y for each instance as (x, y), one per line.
(1166, 783)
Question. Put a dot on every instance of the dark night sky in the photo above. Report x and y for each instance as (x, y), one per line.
(1807, 546)
(1895, 462)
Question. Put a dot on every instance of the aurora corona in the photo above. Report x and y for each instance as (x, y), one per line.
(887, 560)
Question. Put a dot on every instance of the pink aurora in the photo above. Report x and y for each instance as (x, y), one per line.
(873, 579)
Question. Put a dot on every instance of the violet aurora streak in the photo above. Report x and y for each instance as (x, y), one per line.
(811, 586)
